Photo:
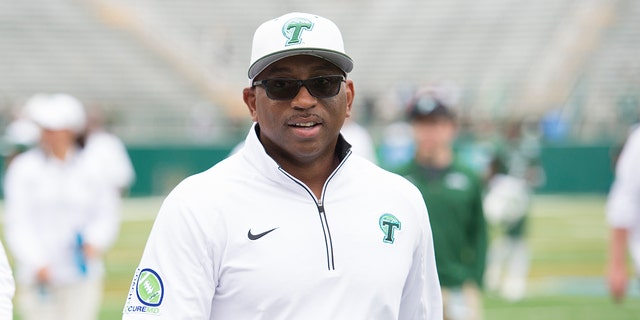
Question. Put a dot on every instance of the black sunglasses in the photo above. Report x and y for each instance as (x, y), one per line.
(287, 89)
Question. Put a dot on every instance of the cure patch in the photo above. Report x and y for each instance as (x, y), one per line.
(146, 293)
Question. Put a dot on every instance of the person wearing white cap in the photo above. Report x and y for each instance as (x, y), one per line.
(60, 217)
(20, 135)
(294, 225)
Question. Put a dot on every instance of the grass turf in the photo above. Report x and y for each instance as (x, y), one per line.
(567, 235)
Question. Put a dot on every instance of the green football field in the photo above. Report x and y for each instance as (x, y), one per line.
(567, 235)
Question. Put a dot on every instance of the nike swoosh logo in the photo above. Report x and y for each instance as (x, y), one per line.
(252, 236)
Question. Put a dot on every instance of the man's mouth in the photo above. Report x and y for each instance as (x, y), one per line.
(304, 124)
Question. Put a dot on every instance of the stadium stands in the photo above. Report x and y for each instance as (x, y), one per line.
(160, 67)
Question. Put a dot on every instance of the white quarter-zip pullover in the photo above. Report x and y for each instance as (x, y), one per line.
(246, 240)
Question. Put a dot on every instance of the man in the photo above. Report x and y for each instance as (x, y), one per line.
(623, 212)
(452, 193)
(293, 225)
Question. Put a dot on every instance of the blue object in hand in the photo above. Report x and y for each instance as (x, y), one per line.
(81, 260)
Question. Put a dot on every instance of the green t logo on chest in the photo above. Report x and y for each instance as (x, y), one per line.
(388, 224)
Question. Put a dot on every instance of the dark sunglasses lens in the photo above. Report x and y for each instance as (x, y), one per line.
(324, 87)
(281, 89)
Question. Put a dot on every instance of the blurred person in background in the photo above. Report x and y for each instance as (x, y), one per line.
(61, 217)
(453, 195)
(295, 225)
(108, 153)
(623, 217)
(397, 146)
(360, 140)
(7, 286)
(19, 136)
(511, 177)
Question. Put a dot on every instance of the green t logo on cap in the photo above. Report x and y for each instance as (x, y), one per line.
(293, 28)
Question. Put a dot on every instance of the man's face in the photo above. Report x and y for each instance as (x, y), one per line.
(57, 139)
(433, 134)
(303, 128)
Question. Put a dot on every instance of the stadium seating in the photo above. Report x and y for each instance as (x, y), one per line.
(160, 67)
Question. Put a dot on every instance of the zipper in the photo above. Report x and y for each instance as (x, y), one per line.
(327, 236)
(323, 217)
(328, 242)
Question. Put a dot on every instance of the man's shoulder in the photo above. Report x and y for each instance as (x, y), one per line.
(203, 194)
(371, 171)
(465, 169)
(385, 181)
(27, 159)
(405, 169)
(220, 173)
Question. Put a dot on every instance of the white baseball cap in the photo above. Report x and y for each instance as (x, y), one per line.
(297, 34)
(57, 112)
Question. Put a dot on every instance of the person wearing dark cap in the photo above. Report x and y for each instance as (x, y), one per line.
(294, 225)
(453, 195)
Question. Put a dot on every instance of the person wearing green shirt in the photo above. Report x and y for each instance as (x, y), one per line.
(512, 176)
(453, 195)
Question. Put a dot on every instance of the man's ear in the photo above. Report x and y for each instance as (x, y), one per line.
(249, 97)
(350, 89)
